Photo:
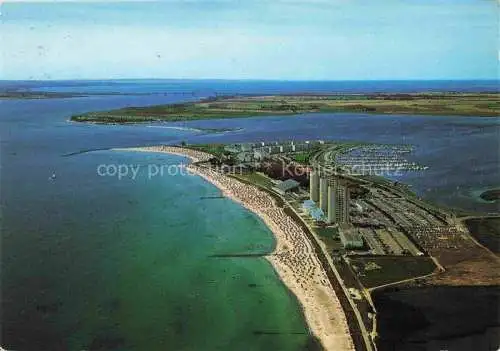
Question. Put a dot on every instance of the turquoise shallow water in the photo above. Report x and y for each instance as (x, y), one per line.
(129, 266)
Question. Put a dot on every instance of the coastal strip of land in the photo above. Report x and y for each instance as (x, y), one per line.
(293, 258)
(38, 95)
(485, 104)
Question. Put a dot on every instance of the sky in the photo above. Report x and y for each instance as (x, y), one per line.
(253, 39)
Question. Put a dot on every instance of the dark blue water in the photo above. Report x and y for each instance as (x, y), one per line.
(89, 260)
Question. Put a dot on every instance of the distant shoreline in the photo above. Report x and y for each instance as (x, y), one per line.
(42, 95)
(435, 104)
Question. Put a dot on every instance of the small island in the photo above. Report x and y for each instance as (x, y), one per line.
(443, 104)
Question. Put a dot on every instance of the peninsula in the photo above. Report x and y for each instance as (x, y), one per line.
(443, 104)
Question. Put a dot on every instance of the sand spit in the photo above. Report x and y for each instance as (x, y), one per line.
(193, 155)
(293, 258)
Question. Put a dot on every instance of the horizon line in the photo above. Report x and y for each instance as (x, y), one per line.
(258, 79)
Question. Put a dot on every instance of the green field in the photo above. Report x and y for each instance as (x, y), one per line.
(214, 149)
(380, 270)
(304, 156)
(451, 104)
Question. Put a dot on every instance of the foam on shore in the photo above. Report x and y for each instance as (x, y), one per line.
(293, 258)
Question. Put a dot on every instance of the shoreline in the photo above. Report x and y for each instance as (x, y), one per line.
(293, 257)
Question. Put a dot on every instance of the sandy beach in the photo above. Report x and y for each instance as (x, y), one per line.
(194, 156)
(293, 258)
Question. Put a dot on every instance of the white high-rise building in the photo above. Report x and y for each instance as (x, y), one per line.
(338, 201)
(323, 193)
(331, 201)
(342, 202)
